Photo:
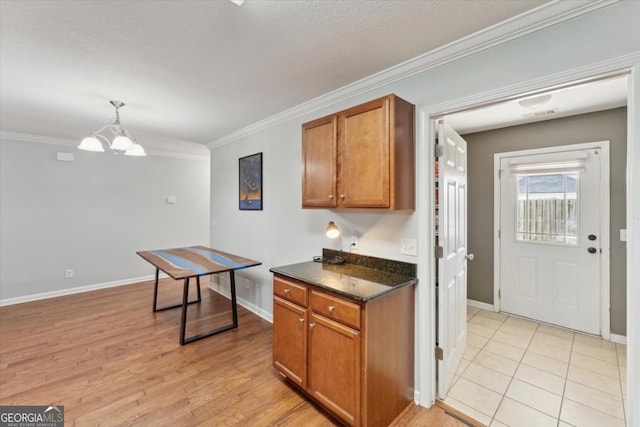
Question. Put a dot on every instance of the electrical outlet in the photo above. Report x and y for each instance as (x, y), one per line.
(68, 274)
(354, 246)
(408, 247)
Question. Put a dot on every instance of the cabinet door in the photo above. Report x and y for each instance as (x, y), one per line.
(364, 155)
(319, 150)
(334, 367)
(290, 340)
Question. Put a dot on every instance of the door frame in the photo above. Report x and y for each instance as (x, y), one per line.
(605, 226)
(426, 364)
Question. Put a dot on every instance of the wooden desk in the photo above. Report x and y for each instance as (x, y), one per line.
(195, 261)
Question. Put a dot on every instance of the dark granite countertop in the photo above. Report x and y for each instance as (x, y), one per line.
(350, 280)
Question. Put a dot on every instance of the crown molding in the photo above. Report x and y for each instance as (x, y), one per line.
(546, 15)
(72, 143)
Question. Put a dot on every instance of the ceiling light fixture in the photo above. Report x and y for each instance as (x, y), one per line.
(535, 101)
(122, 142)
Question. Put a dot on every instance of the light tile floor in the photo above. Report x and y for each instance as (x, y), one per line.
(521, 373)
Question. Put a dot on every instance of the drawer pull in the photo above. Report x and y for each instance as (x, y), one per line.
(301, 320)
(312, 325)
(331, 308)
(286, 291)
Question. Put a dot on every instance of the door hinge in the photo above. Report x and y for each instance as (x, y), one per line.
(499, 173)
(499, 234)
(439, 151)
(499, 293)
(439, 252)
(439, 353)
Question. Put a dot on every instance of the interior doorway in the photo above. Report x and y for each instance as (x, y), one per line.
(543, 115)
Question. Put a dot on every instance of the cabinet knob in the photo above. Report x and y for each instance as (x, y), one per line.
(330, 196)
(312, 325)
(331, 308)
(286, 291)
(301, 320)
(342, 196)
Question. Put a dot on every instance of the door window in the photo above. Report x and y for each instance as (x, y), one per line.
(547, 208)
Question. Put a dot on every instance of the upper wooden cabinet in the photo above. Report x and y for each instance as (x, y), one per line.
(361, 158)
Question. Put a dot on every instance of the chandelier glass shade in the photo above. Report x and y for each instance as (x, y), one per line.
(123, 141)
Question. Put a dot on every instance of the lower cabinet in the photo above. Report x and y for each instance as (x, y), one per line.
(355, 359)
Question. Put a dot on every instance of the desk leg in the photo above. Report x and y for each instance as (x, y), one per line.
(234, 313)
(167, 307)
(185, 301)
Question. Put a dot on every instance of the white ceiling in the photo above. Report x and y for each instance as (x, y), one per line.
(196, 70)
(566, 101)
(192, 71)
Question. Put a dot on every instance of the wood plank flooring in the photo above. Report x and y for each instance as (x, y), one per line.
(111, 361)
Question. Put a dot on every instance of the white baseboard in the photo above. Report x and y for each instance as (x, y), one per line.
(478, 304)
(243, 302)
(618, 339)
(79, 290)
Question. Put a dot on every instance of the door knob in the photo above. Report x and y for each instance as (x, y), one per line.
(592, 237)
(592, 250)
(469, 257)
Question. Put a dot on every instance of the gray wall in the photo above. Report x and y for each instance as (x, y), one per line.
(91, 215)
(608, 125)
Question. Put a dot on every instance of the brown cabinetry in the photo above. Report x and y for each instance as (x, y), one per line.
(354, 358)
(361, 158)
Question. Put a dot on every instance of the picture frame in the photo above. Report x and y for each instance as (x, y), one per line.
(250, 182)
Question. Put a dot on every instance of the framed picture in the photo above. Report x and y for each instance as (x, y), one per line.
(250, 174)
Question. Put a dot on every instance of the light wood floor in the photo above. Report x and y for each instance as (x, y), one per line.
(110, 361)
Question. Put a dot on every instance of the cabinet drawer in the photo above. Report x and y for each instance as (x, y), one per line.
(335, 308)
(290, 291)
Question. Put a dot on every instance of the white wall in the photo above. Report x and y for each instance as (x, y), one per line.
(284, 233)
(91, 215)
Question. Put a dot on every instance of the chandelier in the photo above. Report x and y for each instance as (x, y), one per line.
(122, 141)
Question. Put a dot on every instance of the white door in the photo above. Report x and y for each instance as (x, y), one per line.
(452, 267)
(550, 237)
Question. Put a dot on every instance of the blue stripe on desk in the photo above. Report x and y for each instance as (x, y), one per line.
(180, 262)
(217, 258)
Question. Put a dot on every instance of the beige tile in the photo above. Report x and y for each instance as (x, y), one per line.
(540, 378)
(475, 396)
(521, 323)
(516, 340)
(467, 410)
(555, 331)
(517, 330)
(595, 365)
(592, 341)
(580, 415)
(476, 340)
(470, 352)
(563, 424)
(537, 398)
(493, 380)
(551, 352)
(545, 363)
(472, 310)
(594, 380)
(487, 323)
(492, 315)
(514, 413)
(608, 355)
(621, 349)
(622, 359)
(496, 362)
(505, 350)
(480, 330)
(623, 372)
(623, 387)
(496, 423)
(603, 402)
(546, 339)
(464, 363)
